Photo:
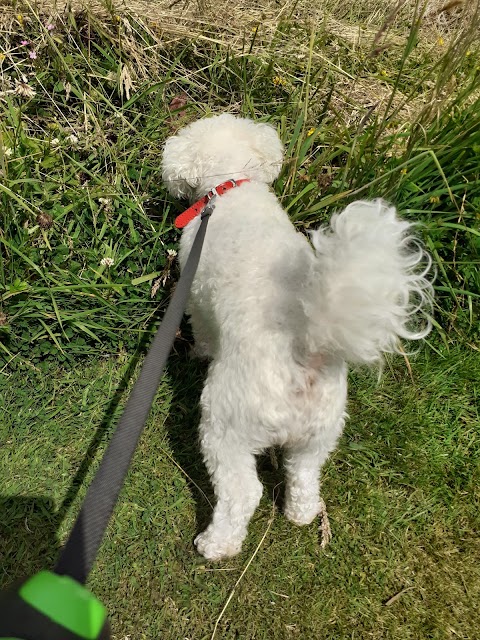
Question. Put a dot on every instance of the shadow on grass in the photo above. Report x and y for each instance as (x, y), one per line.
(29, 524)
(186, 376)
(28, 536)
(110, 419)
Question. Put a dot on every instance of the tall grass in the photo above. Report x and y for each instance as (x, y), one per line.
(86, 234)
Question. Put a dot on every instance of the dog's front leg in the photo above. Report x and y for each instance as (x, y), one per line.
(237, 488)
(203, 334)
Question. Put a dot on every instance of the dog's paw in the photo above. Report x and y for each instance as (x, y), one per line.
(213, 546)
(302, 513)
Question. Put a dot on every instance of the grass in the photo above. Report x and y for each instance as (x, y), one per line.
(402, 493)
(370, 99)
(87, 228)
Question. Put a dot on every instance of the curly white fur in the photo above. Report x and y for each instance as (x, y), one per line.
(280, 320)
(367, 289)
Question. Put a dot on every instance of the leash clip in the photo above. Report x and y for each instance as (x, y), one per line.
(210, 206)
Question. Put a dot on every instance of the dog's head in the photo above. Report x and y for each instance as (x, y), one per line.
(211, 151)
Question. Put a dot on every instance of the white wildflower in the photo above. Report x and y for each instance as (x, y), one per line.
(106, 203)
(106, 262)
(55, 142)
(8, 152)
(24, 90)
(171, 253)
(72, 139)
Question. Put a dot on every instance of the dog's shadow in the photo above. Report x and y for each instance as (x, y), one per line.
(29, 524)
(187, 376)
(28, 536)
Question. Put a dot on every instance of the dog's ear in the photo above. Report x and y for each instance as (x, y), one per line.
(268, 148)
(180, 171)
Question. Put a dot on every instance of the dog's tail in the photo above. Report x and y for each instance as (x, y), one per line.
(370, 284)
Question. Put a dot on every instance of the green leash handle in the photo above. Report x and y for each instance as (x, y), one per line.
(52, 607)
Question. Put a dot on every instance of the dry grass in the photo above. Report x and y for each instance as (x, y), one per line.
(366, 28)
(357, 23)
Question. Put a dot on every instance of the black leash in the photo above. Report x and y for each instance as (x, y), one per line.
(79, 553)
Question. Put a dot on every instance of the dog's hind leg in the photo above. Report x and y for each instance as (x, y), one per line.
(303, 464)
(233, 473)
(302, 496)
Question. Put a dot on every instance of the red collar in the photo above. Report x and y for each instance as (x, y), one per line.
(192, 212)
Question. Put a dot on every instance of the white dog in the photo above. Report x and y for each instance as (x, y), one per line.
(280, 319)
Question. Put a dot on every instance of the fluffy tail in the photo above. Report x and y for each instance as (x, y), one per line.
(370, 284)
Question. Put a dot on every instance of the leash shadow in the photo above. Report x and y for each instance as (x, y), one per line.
(103, 428)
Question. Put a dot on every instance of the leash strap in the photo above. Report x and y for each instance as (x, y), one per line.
(79, 553)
